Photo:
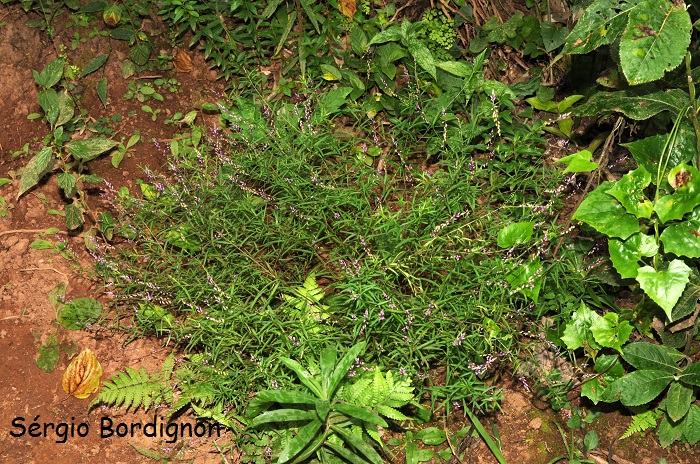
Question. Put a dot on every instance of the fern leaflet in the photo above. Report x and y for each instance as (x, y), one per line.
(642, 422)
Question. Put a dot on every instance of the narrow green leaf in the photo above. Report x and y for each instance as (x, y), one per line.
(283, 415)
(358, 412)
(284, 397)
(422, 55)
(327, 362)
(303, 442)
(343, 366)
(94, 64)
(102, 91)
(304, 376)
(358, 443)
(678, 401)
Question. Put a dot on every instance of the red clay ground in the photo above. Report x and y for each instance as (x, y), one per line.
(527, 433)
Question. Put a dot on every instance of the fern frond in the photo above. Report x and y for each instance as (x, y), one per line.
(642, 422)
(134, 389)
(390, 412)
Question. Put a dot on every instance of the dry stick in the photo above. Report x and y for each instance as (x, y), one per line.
(29, 231)
(602, 162)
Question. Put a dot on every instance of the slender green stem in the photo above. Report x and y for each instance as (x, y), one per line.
(694, 103)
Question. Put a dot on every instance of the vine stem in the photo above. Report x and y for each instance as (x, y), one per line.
(694, 103)
(29, 231)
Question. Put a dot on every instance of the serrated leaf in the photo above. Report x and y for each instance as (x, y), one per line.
(641, 422)
(655, 41)
(669, 432)
(35, 169)
(89, 149)
(644, 355)
(74, 216)
(635, 104)
(665, 287)
(68, 182)
(641, 387)
(691, 425)
(691, 375)
(605, 214)
(102, 91)
(678, 401)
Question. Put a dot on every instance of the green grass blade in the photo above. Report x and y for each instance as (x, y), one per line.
(486, 437)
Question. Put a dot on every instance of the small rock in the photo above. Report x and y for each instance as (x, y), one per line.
(535, 423)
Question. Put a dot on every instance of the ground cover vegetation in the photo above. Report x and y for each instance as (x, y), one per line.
(372, 232)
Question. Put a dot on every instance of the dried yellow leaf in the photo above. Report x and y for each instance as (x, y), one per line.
(347, 7)
(82, 377)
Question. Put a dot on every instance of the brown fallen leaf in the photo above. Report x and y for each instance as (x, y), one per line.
(347, 7)
(82, 377)
(182, 61)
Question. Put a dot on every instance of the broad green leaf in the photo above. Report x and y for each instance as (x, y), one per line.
(553, 35)
(578, 332)
(35, 169)
(48, 354)
(686, 182)
(68, 182)
(609, 332)
(641, 387)
(102, 91)
(66, 109)
(358, 412)
(51, 74)
(629, 191)
(655, 41)
(431, 436)
(282, 415)
(548, 106)
(391, 34)
(41, 245)
(665, 287)
(458, 68)
(94, 64)
(74, 216)
(79, 313)
(669, 432)
(332, 101)
(635, 103)
(422, 55)
(644, 355)
(691, 375)
(691, 425)
(343, 366)
(605, 214)
(358, 41)
(591, 440)
(625, 254)
(688, 300)
(117, 157)
(647, 152)
(48, 100)
(515, 234)
(601, 24)
(56, 295)
(527, 279)
(579, 162)
(89, 149)
(678, 401)
(304, 376)
(682, 239)
(140, 53)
